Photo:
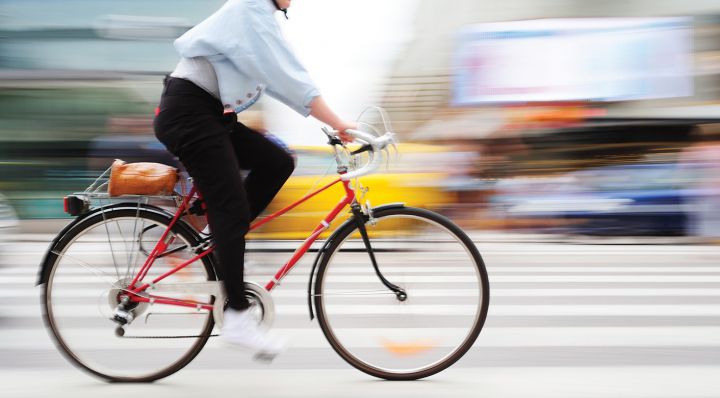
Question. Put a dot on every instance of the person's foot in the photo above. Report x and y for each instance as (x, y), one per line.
(241, 330)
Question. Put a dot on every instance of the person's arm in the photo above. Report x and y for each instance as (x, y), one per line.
(250, 38)
(322, 112)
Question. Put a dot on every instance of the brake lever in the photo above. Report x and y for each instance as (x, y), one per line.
(327, 131)
(397, 152)
(332, 139)
(387, 158)
(393, 143)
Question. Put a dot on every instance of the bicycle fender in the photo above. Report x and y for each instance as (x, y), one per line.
(44, 271)
(349, 223)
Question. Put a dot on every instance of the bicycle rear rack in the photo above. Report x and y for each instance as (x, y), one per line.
(96, 196)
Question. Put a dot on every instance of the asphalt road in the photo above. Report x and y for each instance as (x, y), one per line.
(565, 320)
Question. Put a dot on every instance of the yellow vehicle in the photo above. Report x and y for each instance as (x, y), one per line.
(414, 178)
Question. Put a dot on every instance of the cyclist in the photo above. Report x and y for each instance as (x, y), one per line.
(227, 61)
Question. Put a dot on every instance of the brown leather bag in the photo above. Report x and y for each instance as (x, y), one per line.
(141, 179)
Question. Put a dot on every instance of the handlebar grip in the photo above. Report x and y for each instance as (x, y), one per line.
(362, 136)
(371, 166)
(373, 145)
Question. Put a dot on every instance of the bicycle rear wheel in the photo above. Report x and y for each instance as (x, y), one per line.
(383, 334)
(88, 269)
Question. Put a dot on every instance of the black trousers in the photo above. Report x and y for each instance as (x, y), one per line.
(214, 148)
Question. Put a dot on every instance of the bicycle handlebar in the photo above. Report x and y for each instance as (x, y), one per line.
(377, 144)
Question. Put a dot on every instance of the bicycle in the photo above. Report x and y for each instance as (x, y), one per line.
(400, 293)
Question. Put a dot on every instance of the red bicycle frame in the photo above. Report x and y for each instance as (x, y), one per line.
(166, 239)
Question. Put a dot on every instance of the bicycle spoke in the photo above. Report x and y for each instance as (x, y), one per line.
(87, 266)
(133, 264)
(83, 296)
(131, 255)
(128, 251)
(358, 293)
(434, 317)
(112, 250)
(101, 274)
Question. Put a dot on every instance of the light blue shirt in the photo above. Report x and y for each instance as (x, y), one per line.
(243, 42)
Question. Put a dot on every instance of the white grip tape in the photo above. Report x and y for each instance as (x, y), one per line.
(377, 144)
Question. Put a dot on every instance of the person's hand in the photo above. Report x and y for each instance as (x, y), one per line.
(341, 127)
(322, 112)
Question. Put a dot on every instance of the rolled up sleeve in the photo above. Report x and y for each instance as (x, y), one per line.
(266, 56)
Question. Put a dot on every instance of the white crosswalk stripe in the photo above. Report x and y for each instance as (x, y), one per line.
(492, 337)
(90, 311)
(514, 274)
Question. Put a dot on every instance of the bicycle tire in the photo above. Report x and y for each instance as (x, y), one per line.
(340, 239)
(64, 243)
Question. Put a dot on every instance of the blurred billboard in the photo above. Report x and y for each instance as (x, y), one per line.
(570, 59)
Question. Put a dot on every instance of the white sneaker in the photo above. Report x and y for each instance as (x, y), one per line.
(242, 330)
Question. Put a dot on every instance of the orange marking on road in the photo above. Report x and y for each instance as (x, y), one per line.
(407, 349)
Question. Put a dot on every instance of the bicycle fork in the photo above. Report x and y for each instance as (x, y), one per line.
(360, 219)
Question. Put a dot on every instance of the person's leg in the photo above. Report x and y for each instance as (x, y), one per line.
(215, 171)
(190, 123)
(200, 138)
(270, 166)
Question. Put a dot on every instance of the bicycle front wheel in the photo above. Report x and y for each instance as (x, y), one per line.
(418, 311)
(90, 267)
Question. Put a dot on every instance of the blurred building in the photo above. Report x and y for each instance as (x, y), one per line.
(551, 142)
(420, 87)
(79, 80)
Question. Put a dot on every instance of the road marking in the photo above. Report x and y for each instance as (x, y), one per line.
(94, 311)
(104, 338)
(426, 269)
(301, 293)
(438, 279)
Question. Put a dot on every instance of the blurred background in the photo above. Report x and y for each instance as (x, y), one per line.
(577, 141)
(565, 117)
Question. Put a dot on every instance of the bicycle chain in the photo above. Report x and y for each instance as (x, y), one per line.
(168, 337)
